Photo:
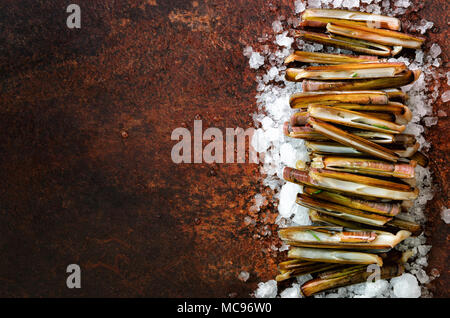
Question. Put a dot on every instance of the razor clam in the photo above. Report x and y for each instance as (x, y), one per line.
(297, 267)
(353, 119)
(351, 71)
(334, 256)
(308, 133)
(401, 113)
(361, 46)
(348, 276)
(302, 100)
(351, 183)
(393, 226)
(352, 140)
(341, 211)
(341, 238)
(380, 36)
(331, 148)
(391, 208)
(374, 20)
(365, 166)
(402, 79)
(326, 58)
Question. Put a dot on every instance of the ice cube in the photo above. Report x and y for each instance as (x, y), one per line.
(292, 292)
(301, 215)
(445, 215)
(283, 40)
(406, 286)
(446, 96)
(374, 8)
(350, 3)
(299, 6)
(376, 289)
(303, 279)
(273, 71)
(288, 155)
(314, 4)
(337, 3)
(422, 276)
(277, 26)
(248, 51)
(243, 276)
(288, 195)
(435, 50)
(402, 3)
(256, 60)
(267, 123)
(267, 290)
(424, 26)
(430, 121)
(259, 141)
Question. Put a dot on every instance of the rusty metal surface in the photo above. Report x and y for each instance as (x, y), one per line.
(85, 172)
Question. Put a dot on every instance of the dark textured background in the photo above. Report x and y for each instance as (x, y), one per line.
(85, 172)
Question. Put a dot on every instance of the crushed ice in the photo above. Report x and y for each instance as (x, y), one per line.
(243, 276)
